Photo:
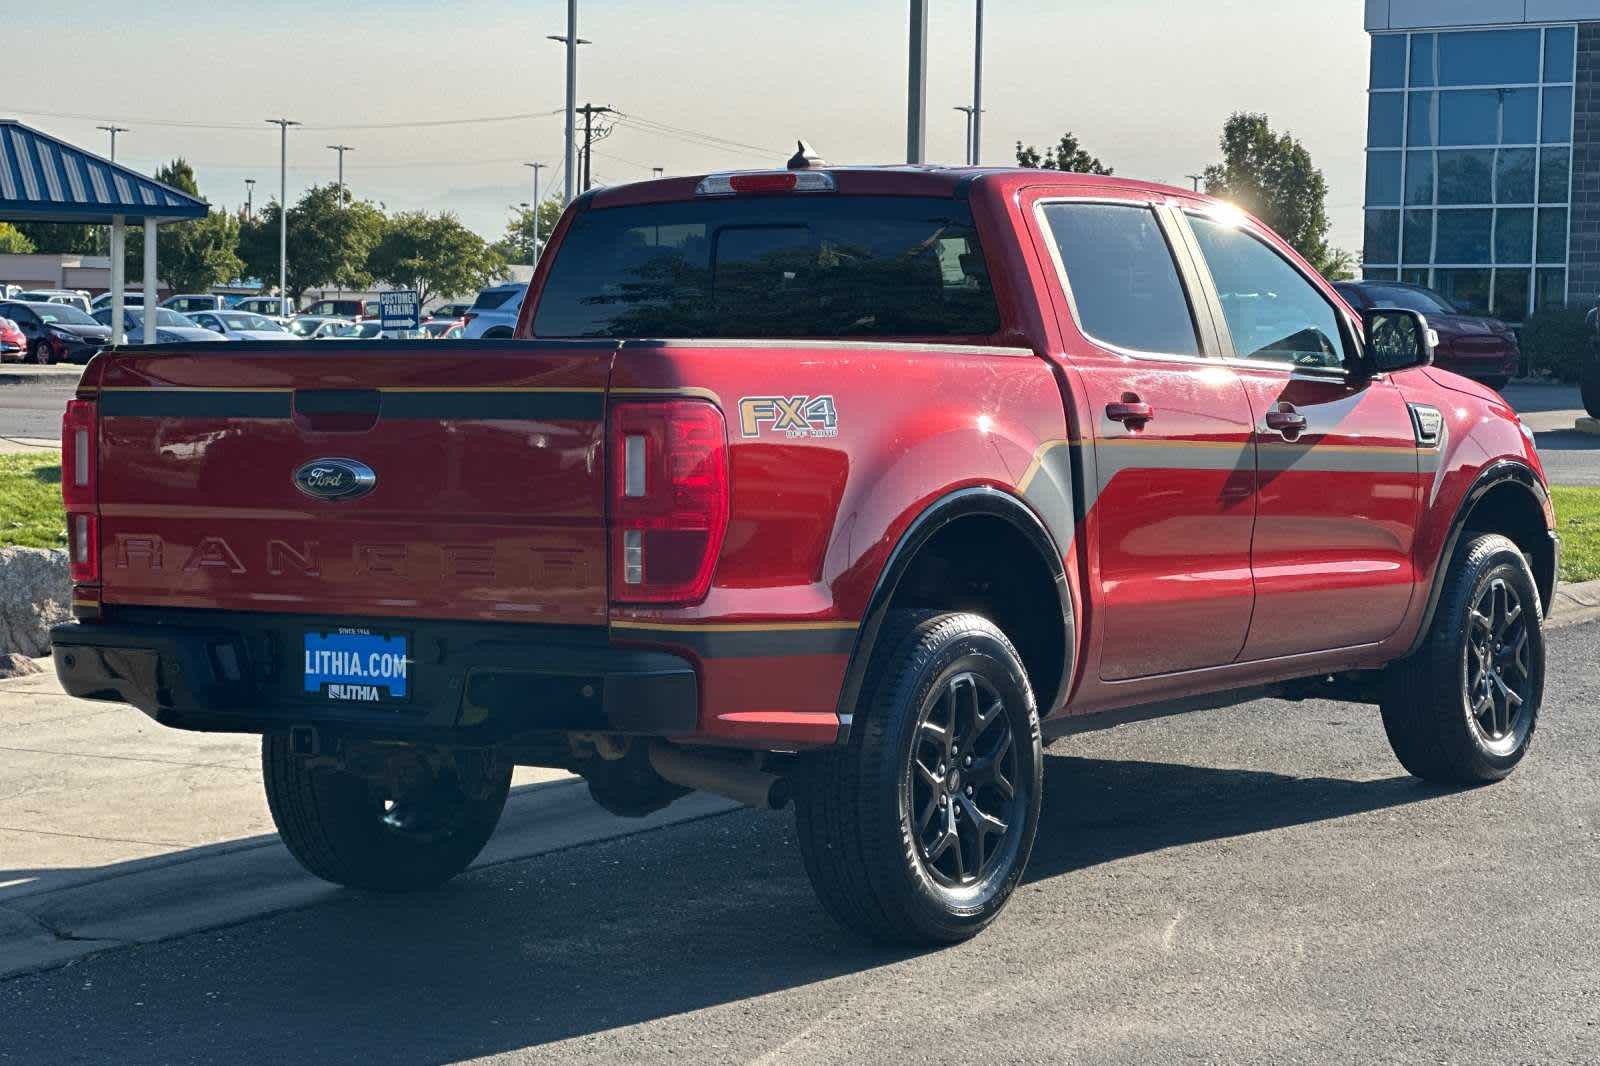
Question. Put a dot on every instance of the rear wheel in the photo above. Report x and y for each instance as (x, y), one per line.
(1590, 383)
(919, 829)
(37, 353)
(1463, 709)
(414, 827)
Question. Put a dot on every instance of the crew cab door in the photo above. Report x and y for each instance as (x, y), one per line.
(1165, 443)
(1338, 490)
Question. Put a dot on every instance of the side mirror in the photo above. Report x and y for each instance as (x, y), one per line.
(1398, 339)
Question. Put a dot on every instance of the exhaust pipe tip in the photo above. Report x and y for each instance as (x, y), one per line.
(741, 783)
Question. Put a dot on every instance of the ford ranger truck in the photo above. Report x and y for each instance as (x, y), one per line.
(847, 488)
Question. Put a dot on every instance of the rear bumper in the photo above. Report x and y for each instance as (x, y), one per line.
(470, 683)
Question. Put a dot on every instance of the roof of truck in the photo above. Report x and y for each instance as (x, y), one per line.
(891, 180)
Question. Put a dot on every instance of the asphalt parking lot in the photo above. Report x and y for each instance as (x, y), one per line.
(1257, 884)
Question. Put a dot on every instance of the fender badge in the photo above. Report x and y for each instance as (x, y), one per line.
(335, 479)
(789, 416)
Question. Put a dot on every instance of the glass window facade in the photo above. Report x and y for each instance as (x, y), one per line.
(1469, 164)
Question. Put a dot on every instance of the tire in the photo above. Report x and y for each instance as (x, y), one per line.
(1590, 383)
(341, 826)
(1487, 640)
(35, 355)
(873, 833)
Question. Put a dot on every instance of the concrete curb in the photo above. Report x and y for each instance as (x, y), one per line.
(49, 375)
(67, 915)
(1587, 425)
(1574, 604)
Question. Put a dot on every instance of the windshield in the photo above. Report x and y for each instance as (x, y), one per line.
(63, 314)
(1407, 299)
(304, 327)
(242, 320)
(816, 266)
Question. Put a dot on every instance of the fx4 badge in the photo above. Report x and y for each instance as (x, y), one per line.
(792, 416)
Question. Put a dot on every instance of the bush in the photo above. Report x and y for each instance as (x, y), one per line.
(1555, 343)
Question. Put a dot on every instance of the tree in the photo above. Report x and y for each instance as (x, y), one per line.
(63, 238)
(1271, 176)
(190, 256)
(1067, 155)
(517, 244)
(329, 242)
(13, 241)
(434, 254)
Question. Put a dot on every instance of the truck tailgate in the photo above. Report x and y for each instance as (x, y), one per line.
(487, 494)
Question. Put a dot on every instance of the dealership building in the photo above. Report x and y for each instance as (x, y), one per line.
(1483, 151)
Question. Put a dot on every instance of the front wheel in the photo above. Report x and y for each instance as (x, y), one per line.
(917, 832)
(1462, 710)
(413, 827)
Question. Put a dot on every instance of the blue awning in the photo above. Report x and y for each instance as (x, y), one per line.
(43, 179)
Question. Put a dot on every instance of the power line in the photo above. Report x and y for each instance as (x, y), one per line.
(200, 125)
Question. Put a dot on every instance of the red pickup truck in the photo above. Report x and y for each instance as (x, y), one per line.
(847, 487)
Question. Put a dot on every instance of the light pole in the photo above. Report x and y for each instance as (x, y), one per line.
(656, 172)
(535, 167)
(249, 197)
(1196, 178)
(917, 85)
(572, 41)
(341, 149)
(969, 111)
(283, 125)
(977, 89)
(114, 130)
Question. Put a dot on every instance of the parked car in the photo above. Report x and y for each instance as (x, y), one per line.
(438, 328)
(353, 331)
(188, 303)
(171, 327)
(1589, 375)
(310, 327)
(56, 333)
(1474, 346)
(275, 307)
(494, 314)
(70, 297)
(343, 307)
(13, 344)
(1043, 453)
(453, 312)
(129, 299)
(242, 326)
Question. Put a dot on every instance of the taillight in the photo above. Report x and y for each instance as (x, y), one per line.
(80, 487)
(669, 499)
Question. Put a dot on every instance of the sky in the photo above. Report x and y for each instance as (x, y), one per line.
(1145, 84)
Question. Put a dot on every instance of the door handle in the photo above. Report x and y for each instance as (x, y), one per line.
(1130, 412)
(1286, 420)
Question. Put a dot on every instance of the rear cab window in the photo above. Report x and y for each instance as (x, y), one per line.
(820, 266)
(1121, 278)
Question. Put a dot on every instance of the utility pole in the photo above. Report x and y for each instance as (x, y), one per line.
(977, 89)
(341, 149)
(588, 111)
(114, 130)
(572, 41)
(917, 85)
(249, 197)
(536, 167)
(283, 125)
(656, 172)
(1196, 178)
(969, 111)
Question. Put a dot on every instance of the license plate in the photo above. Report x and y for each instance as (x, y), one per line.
(356, 665)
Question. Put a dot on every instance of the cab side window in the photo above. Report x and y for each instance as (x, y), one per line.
(1125, 286)
(1273, 312)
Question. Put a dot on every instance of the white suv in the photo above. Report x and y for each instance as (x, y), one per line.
(494, 313)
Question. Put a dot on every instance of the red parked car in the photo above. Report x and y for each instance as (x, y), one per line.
(13, 343)
(845, 487)
(1484, 349)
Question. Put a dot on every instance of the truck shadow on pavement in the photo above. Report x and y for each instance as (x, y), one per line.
(579, 944)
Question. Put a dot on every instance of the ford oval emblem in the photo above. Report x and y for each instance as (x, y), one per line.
(335, 479)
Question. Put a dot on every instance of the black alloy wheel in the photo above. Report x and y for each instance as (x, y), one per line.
(965, 792)
(1497, 672)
